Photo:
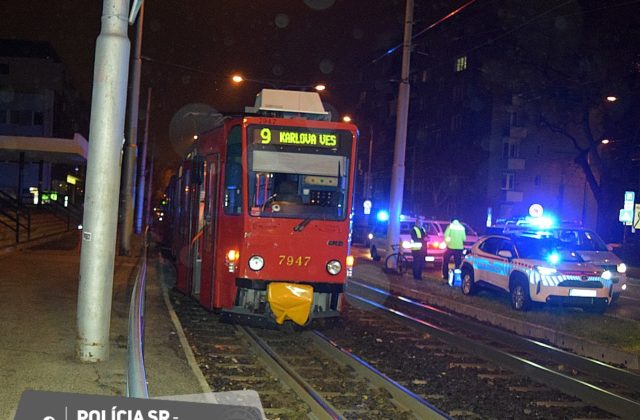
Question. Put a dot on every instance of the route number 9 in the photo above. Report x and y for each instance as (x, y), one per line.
(265, 135)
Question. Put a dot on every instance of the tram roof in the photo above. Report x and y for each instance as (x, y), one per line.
(288, 101)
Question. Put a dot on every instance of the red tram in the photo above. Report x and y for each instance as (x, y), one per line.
(262, 212)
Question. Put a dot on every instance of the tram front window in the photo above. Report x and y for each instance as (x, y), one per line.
(274, 194)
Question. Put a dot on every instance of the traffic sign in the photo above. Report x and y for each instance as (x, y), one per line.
(626, 216)
(629, 198)
(636, 220)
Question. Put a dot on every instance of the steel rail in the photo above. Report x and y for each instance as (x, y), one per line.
(592, 394)
(320, 407)
(594, 367)
(402, 397)
(136, 375)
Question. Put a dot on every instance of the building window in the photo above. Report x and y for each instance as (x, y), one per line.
(3, 116)
(425, 76)
(26, 117)
(507, 181)
(514, 119)
(38, 118)
(4, 68)
(461, 63)
(457, 93)
(456, 122)
(14, 116)
(510, 150)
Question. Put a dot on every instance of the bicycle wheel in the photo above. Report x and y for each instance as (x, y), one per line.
(404, 265)
(394, 263)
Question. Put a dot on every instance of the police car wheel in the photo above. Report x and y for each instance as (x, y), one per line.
(520, 300)
(468, 287)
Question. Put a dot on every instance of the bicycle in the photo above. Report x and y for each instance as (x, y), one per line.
(397, 262)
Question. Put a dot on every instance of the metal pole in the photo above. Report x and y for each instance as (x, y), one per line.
(102, 183)
(149, 193)
(397, 173)
(131, 149)
(143, 163)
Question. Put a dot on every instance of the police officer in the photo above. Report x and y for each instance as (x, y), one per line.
(418, 249)
(454, 237)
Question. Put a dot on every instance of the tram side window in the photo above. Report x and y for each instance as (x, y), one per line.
(233, 173)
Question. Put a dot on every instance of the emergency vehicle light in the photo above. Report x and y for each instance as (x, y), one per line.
(382, 216)
(553, 258)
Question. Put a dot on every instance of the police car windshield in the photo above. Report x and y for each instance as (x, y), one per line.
(580, 240)
(543, 249)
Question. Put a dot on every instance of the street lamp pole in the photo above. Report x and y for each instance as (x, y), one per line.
(100, 216)
(131, 147)
(397, 173)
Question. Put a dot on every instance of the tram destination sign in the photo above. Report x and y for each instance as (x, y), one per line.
(294, 136)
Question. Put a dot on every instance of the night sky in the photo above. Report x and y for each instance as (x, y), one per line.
(191, 48)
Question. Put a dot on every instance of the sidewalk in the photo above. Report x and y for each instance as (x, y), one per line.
(38, 334)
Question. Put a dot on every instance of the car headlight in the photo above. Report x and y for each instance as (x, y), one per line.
(621, 268)
(334, 267)
(546, 271)
(606, 275)
(256, 263)
(407, 245)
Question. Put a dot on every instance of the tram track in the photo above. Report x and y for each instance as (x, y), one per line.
(612, 389)
(459, 376)
(317, 378)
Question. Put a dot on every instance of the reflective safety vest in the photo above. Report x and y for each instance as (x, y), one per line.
(417, 235)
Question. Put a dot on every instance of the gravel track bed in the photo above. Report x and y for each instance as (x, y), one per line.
(455, 381)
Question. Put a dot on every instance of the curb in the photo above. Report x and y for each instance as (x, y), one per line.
(191, 359)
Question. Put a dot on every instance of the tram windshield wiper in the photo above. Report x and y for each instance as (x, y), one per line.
(302, 225)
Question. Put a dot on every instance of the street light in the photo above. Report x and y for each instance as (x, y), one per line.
(611, 98)
(275, 84)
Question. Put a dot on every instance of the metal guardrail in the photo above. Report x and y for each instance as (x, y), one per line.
(136, 375)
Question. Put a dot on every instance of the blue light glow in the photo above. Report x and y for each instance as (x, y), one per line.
(382, 216)
(553, 258)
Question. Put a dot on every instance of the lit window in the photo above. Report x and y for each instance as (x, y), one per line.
(461, 63)
(507, 181)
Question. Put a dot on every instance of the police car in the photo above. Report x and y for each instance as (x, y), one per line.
(536, 268)
(588, 245)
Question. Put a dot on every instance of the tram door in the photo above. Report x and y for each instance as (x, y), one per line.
(198, 223)
(210, 218)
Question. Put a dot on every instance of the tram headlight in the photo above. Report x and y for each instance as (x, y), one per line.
(231, 259)
(350, 261)
(334, 267)
(256, 263)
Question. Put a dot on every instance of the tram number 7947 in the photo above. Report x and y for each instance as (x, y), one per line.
(290, 260)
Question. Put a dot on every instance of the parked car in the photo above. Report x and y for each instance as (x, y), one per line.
(378, 247)
(436, 245)
(536, 268)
